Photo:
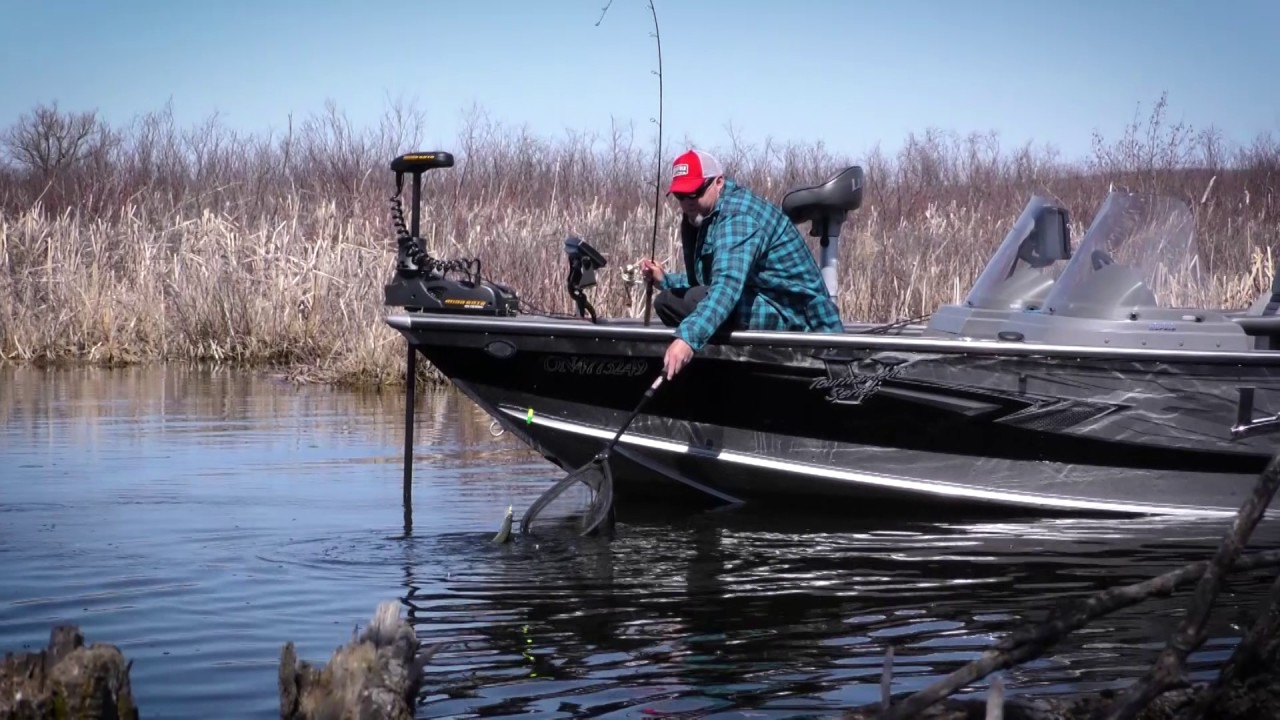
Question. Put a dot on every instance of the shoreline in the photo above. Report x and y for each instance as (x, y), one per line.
(296, 374)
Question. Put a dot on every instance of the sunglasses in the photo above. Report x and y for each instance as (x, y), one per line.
(702, 190)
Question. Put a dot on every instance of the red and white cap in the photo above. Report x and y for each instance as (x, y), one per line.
(691, 169)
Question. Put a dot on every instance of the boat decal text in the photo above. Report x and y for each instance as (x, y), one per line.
(850, 383)
(629, 367)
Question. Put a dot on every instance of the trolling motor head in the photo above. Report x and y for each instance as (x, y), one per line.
(584, 260)
(419, 162)
(421, 283)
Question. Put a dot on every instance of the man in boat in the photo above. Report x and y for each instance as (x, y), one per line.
(763, 277)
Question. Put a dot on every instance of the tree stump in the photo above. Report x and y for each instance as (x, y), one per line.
(376, 675)
(67, 680)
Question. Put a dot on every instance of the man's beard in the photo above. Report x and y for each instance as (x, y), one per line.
(696, 219)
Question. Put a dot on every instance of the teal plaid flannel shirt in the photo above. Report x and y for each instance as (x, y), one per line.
(758, 269)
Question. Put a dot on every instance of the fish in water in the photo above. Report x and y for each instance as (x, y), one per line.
(504, 532)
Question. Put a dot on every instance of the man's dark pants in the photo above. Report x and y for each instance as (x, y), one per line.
(672, 306)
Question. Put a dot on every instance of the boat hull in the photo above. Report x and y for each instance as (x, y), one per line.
(864, 418)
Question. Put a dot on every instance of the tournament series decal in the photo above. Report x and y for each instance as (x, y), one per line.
(850, 383)
(852, 378)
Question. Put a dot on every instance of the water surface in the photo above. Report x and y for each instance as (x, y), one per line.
(198, 519)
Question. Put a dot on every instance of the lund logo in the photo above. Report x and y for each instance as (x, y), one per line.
(629, 367)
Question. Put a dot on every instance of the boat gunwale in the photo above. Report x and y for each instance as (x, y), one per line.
(631, 329)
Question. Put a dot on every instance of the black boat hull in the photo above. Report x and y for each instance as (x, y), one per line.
(815, 419)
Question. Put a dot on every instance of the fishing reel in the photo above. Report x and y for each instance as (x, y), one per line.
(584, 260)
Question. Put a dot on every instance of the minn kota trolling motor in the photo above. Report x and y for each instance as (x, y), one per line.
(421, 283)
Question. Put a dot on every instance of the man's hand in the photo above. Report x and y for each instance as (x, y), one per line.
(652, 271)
(678, 355)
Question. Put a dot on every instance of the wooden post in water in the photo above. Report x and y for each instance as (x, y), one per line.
(410, 391)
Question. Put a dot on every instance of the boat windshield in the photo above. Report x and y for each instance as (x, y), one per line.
(1025, 265)
(1139, 252)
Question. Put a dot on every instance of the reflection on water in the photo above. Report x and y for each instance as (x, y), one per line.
(198, 519)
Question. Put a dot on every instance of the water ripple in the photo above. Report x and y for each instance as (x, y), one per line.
(199, 519)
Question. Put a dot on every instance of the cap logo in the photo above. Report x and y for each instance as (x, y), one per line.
(681, 169)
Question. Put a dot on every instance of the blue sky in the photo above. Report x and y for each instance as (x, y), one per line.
(848, 73)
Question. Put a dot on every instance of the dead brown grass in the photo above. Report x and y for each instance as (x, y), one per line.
(150, 242)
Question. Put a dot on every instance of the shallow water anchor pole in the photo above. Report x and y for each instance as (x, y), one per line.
(410, 383)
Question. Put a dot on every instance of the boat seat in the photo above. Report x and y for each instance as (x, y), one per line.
(1267, 306)
(829, 200)
(1268, 302)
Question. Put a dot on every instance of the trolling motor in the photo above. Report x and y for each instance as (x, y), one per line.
(584, 260)
(421, 282)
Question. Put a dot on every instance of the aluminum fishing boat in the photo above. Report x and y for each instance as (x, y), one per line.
(1083, 379)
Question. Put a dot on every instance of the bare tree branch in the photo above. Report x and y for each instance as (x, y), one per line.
(604, 10)
(1169, 668)
(47, 140)
(1249, 656)
(1031, 642)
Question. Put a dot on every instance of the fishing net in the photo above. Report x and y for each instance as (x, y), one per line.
(595, 475)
